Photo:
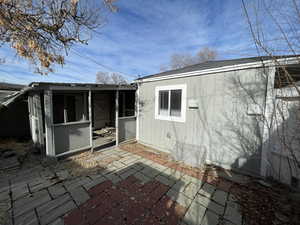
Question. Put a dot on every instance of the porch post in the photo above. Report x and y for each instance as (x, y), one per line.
(50, 146)
(90, 119)
(117, 117)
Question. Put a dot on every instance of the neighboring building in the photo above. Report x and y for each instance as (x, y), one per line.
(13, 119)
(219, 112)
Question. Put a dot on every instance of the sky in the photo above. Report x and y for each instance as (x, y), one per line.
(141, 37)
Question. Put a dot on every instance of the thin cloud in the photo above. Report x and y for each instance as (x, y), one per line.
(142, 36)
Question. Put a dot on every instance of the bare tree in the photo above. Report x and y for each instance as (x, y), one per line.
(178, 60)
(110, 78)
(103, 78)
(206, 54)
(43, 31)
(118, 78)
(275, 31)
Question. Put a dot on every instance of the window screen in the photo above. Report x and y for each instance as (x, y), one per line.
(58, 108)
(69, 108)
(175, 109)
(163, 102)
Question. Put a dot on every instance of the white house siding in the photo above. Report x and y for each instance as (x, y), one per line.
(284, 137)
(220, 131)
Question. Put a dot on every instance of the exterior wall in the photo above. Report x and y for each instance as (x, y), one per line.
(224, 130)
(127, 128)
(284, 136)
(71, 137)
(14, 121)
(36, 119)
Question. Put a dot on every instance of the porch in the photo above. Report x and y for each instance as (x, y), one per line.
(69, 118)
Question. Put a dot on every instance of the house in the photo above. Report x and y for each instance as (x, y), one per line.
(14, 119)
(66, 118)
(222, 113)
(239, 114)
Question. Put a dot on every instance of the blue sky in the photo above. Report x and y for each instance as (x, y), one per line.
(141, 36)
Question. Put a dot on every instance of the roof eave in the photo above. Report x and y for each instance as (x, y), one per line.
(263, 63)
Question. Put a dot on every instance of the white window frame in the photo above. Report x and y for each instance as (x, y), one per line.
(169, 88)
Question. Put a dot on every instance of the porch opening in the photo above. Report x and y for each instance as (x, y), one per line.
(103, 118)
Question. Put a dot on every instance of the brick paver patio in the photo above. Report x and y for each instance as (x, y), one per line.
(132, 186)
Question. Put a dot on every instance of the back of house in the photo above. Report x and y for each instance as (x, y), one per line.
(217, 112)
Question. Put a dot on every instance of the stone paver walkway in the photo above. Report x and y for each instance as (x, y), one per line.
(129, 187)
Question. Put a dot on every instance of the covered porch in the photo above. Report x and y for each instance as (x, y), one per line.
(68, 118)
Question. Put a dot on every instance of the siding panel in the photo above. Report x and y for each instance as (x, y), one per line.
(220, 130)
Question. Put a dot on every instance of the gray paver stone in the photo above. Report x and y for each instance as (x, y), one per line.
(59, 211)
(179, 186)
(58, 221)
(113, 178)
(127, 173)
(207, 190)
(63, 174)
(140, 176)
(220, 197)
(210, 218)
(80, 181)
(29, 202)
(232, 213)
(28, 218)
(94, 182)
(165, 180)
(20, 191)
(179, 198)
(57, 190)
(194, 214)
(208, 203)
(79, 195)
(191, 190)
(149, 172)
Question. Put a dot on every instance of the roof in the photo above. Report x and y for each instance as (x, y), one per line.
(9, 97)
(10, 86)
(214, 65)
(92, 86)
(8, 90)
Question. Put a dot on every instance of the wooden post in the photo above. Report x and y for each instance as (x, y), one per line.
(50, 145)
(137, 112)
(90, 119)
(117, 117)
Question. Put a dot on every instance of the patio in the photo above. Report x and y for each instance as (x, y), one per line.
(127, 185)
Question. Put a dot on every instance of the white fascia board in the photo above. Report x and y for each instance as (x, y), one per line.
(269, 63)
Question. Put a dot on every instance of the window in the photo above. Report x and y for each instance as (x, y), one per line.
(170, 103)
(69, 108)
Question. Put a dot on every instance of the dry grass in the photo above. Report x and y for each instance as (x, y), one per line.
(20, 148)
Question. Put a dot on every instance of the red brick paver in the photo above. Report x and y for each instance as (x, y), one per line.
(127, 203)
